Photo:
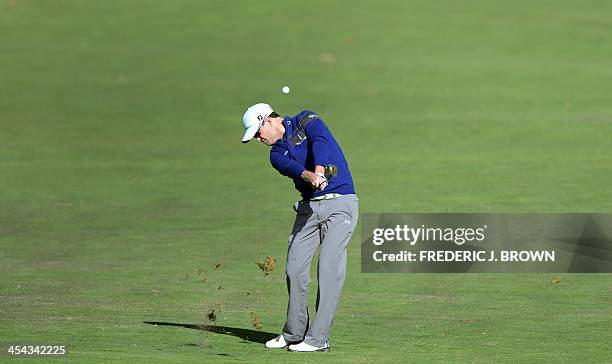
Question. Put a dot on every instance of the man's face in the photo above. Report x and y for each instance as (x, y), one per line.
(268, 134)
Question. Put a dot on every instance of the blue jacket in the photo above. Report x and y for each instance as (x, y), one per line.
(307, 142)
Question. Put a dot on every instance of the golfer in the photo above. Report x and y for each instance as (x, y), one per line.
(304, 150)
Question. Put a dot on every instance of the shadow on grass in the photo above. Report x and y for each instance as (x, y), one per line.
(246, 334)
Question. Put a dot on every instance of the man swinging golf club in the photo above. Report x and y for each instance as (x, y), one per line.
(304, 150)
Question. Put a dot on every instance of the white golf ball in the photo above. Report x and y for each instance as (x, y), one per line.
(285, 89)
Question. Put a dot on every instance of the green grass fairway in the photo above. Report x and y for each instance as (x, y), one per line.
(123, 181)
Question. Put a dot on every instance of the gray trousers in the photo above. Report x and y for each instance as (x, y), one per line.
(330, 225)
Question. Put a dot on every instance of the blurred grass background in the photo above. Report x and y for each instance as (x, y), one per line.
(124, 182)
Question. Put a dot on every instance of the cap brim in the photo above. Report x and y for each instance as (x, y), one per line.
(250, 133)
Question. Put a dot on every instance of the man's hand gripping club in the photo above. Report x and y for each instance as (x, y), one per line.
(316, 179)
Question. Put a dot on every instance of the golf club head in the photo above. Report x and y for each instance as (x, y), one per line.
(330, 171)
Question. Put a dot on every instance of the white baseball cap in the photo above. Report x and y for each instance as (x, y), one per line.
(253, 119)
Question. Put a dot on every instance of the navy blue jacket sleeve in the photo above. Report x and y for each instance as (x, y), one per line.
(283, 164)
(318, 133)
